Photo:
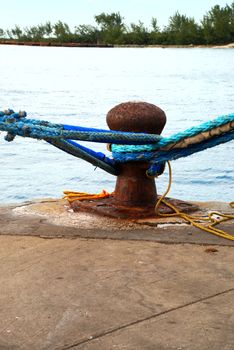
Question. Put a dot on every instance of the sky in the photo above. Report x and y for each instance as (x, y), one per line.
(74, 12)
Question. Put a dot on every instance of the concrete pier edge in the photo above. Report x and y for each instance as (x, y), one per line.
(54, 218)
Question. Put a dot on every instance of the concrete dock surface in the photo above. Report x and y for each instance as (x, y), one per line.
(77, 281)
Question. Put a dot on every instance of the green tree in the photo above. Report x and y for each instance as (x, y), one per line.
(218, 25)
(182, 30)
(35, 33)
(155, 36)
(232, 22)
(16, 33)
(138, 34)
(154, 24)
(86, 34)
(48, 29)
(62, 31)
(2, 33)
(111, 26)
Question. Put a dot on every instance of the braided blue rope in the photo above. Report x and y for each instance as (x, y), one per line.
(163, 156)
(37, 129)
(46, 130)
(61, 135)
(97, 159)
(193, 131)
(153, 156)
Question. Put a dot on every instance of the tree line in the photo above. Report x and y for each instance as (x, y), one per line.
(216, 27)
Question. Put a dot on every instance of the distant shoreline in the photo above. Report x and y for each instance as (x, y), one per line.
(50, 44)
(72, 44)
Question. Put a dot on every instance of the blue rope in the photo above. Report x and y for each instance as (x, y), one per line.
(61, 136)
(163, 156)
(193, 131)
(46, 130)
(97, 159)
(172, 154)
(43, 132)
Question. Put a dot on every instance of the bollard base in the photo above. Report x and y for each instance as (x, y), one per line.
(110, 208)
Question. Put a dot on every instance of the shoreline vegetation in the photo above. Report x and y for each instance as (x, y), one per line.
(87, 45)
(216, 29)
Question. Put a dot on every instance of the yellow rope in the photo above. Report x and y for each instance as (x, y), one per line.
(193, 219)
(72, 196)
(212, 219)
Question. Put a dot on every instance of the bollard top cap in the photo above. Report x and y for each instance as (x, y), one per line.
(136, 117)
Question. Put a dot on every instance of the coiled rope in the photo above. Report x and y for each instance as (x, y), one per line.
(214, 218)
(206, 224)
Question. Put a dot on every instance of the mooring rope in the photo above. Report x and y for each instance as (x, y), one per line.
(97, 159)
(128, 147)
(17, 124)
(163, 156)
(125, 146)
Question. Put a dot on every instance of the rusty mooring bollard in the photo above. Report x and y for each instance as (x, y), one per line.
(135, 193)
(133, 187)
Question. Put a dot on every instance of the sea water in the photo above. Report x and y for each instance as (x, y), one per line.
(80, 85)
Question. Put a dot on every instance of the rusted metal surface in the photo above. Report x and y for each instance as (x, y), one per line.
(133, 187)
(135, 194)
(136, 117)
(110, 208)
